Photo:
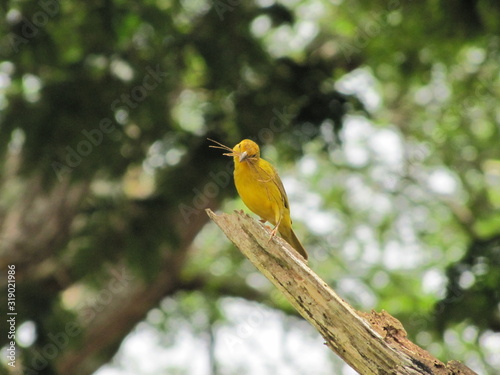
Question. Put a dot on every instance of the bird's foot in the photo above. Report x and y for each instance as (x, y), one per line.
(273, 233)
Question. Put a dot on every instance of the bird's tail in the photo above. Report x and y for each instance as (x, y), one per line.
(292, 239)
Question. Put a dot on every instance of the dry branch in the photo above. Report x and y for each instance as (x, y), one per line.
(371, 343)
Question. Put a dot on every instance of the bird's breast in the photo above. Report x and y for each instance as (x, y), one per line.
(257, 191)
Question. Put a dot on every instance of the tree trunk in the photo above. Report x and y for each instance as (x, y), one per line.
(371, 343)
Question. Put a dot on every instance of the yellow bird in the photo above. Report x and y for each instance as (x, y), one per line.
(261, 189)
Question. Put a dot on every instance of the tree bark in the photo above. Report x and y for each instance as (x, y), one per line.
(371, 343)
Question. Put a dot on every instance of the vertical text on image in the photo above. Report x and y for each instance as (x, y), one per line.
(11, 315)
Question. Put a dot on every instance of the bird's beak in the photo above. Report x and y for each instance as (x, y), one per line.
(243, 156)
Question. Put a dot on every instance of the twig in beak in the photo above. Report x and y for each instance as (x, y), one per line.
(224, 147)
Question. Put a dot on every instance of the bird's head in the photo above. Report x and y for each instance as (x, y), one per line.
(246, 150)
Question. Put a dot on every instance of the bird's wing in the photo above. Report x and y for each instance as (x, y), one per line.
(275, 178)
(268, 174)
(281, 188)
